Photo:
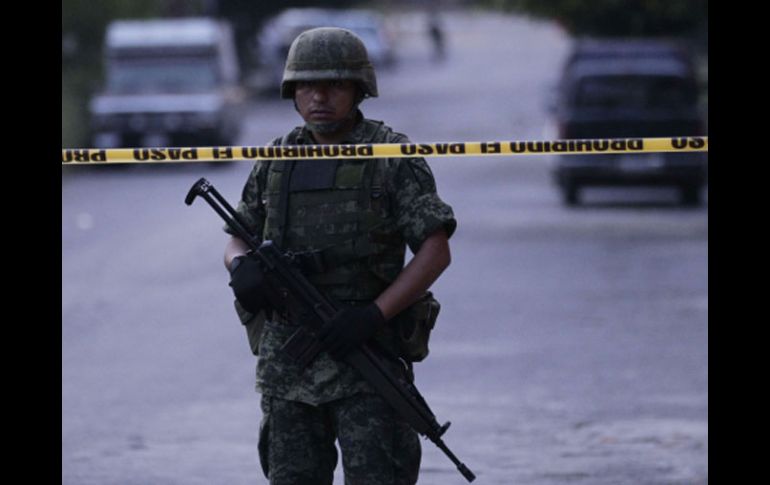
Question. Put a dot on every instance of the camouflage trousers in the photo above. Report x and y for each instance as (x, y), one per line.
(297, 442)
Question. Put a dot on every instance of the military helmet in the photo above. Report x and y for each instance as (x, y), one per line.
(328, 53)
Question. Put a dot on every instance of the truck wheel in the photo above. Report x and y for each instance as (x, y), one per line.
(570, 194)
(690, 195)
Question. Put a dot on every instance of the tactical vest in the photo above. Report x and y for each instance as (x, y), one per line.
(336, 215)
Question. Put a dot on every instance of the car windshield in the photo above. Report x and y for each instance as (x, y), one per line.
(627, 91)
(162, 75)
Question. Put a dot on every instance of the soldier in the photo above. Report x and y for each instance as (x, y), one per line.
(349, 223)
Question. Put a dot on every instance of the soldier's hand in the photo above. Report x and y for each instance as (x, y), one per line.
(248, 283)
(349, 328)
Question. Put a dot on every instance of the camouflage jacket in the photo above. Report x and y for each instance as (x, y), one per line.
(406, 211)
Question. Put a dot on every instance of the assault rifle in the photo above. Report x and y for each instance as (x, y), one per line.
(281, 272)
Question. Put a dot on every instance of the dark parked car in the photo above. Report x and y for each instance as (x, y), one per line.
(622, 89)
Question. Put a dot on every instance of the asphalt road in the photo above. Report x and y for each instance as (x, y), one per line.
(572, 345)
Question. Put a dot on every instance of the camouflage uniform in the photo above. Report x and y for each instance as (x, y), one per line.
(359, 216)
(305, 411)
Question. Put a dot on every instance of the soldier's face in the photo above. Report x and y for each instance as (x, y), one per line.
(324, 102)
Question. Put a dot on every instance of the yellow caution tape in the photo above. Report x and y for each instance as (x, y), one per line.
(384, 150)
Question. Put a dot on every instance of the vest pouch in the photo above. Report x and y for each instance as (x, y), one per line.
(254, 324)
(413, 327)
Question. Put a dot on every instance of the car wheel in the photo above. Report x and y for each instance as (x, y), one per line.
(570, 194)
(690, 195)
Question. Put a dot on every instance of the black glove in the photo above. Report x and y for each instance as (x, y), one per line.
(349, 328)
(248, 283)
